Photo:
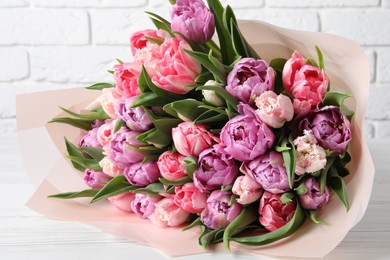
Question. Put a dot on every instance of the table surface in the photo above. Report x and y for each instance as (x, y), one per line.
(25, 234)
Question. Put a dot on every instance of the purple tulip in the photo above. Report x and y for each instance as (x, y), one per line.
(193, 19)
(215, 168)
(245, 136)
(250, 78)
(330, 127)
(313, 199)
(95, 179)
(90, 139)
(268, 171)
(142, 174)
(120, 149)
(218, 213)
(144, 205)
(135, 118)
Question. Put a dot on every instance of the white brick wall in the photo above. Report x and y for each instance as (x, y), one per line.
(51, 44)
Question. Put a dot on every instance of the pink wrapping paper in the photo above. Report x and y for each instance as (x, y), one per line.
(43, 149)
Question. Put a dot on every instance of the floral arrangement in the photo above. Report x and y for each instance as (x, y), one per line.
(194, 133)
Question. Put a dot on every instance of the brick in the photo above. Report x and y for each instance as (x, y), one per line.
(14, 3)
(125, 3)
(299, 20)
(243, 4)
(383, 70)
(371, 56)
(75, 64)
(160, 3)
(44, 27)
(371, 27)
(8, 127)
(322, 3)
(382, 129)
(369, 129)
(378, 103)
(386, 3)
(115, 26)
(13, 64)
(66, 3)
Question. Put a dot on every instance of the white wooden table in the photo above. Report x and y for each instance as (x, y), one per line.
(27, 235)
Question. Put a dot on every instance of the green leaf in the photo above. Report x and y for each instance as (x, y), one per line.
(287, 197)
(152, 158)
(160, 18)
(155, 137)
(204, 59)
(148, 99)
(188, 108)
(247, 216)
(334, 98)
(313, 218)
(177, 182)
(230, 100)
(195, 223)
(119, 61)
(77, 194)
(337, 184)
(287, 230)
(95, 153)
(152, 189)
(74, 151)
(86, 163)
(190, 169)
(204, 77)
(301, 189)
(154, 40)
(100, 86)
(209, 237)
(78, 123)
(324, 173)
(163, 26)
(209, 117)
(227, 50)
(118, 125)
(116, 186)
(146, 83)
(320, 58)
(289, 157)
(278, 65)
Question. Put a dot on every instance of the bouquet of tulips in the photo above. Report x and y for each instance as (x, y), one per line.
(195, 133)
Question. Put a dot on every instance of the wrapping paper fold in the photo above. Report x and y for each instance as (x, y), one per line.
(43, 148)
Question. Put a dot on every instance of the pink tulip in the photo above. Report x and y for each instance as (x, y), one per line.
(308, 84)
(191, 139)
(273, 214)
(123, 201)
(168, 214)
(104, 133)
(274, 110)
(126, 79)
(110, 168)
(310, 156)
(171, 165)
(107, 100)
(247, 190)
(138, 40)
(189, 198)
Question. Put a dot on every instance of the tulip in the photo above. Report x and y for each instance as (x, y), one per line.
(313, 199)
(250, 78)
(268, 170)
(215, 168)
(218, 213)
(192, 19)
